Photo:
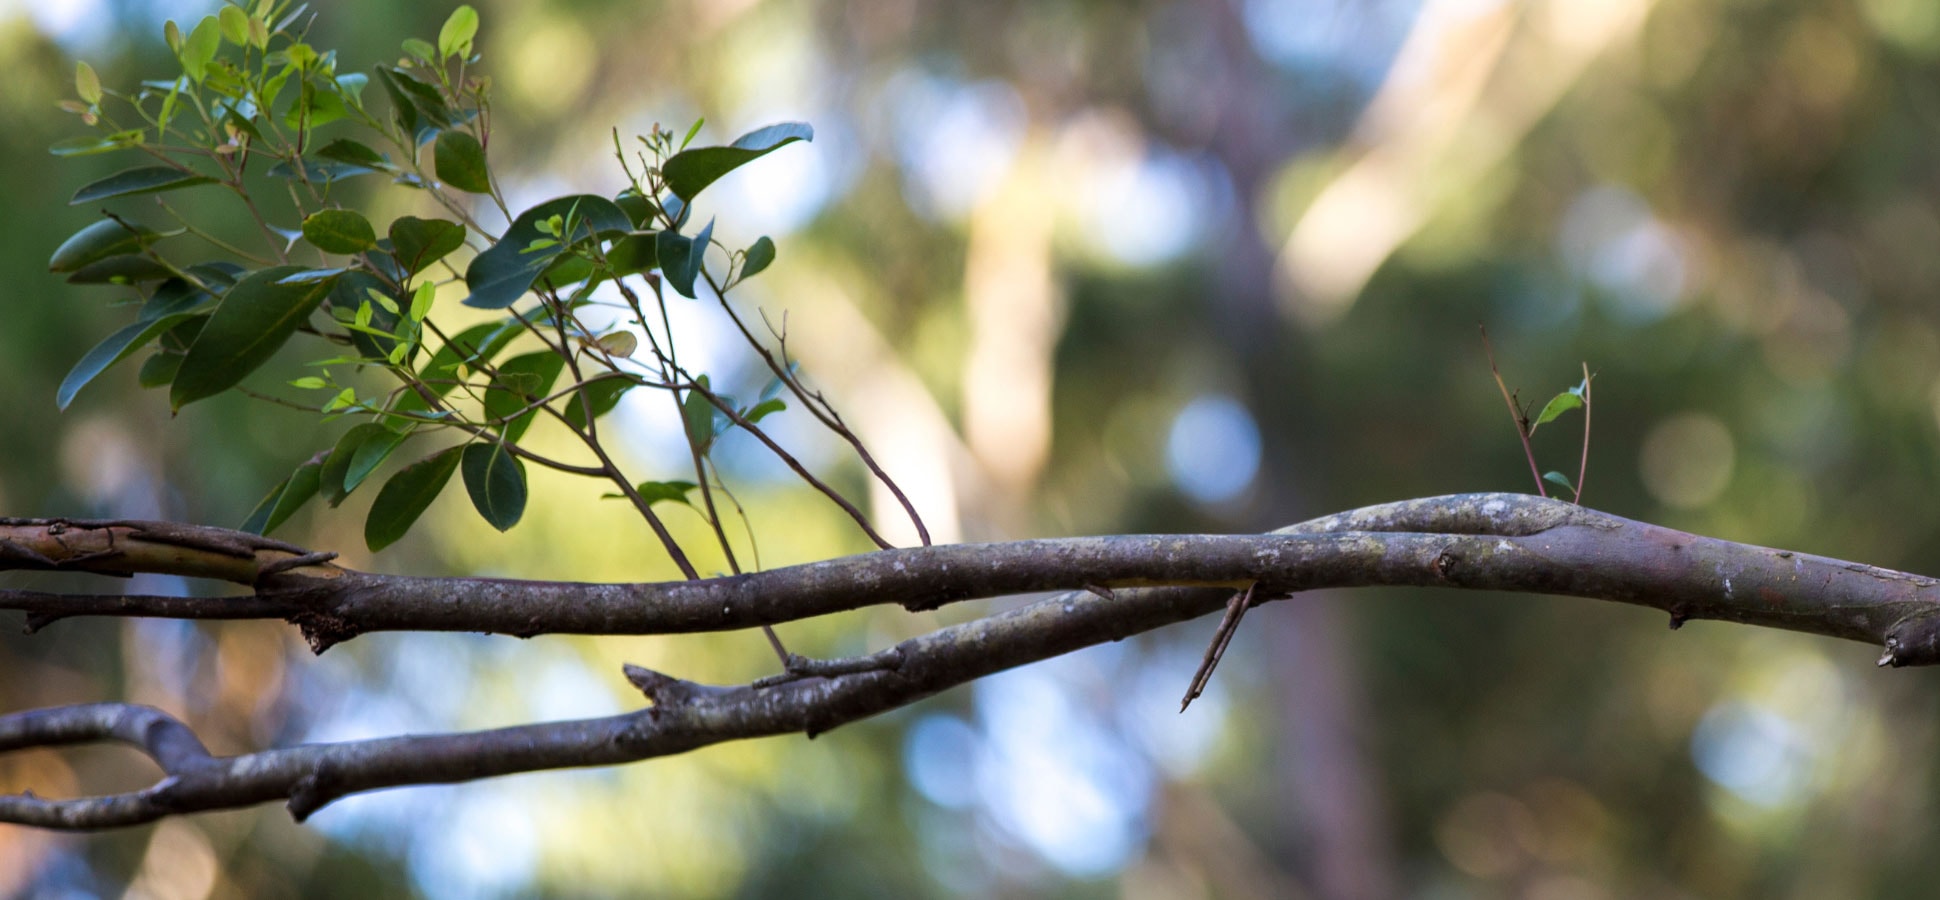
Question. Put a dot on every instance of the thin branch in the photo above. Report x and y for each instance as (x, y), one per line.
(1516, 414)
(1583, 468)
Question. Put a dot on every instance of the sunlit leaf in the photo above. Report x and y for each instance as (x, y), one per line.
(455, 38)
(690, 171)
(1557, 405)
(254, 319)
(86, 83)
(339, 231)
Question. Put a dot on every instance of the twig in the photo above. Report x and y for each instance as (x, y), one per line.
(1516, 414)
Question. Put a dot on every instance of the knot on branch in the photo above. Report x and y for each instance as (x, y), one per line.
(1914, 641)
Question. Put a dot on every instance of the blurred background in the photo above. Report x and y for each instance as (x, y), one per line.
(1081, 267)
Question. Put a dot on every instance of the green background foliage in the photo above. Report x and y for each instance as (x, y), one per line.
(1066, 260)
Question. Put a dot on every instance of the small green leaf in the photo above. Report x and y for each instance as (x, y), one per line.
(86, 83)
(758, 257)
(521, 381)
(690, 171)
(319, 171)
(285, 499)
(692, 130)
(336, 468)
(159, 370)
(479, 343)
(633, 253)
(418, 243)
(1557, 405)
(99, 241)
(349, 152)
(1558, 478)
(455, 38)
(200, 48)
(619, 343)
(460, 161)
(339, 231)
(142, 180)
(421, 49)
(406, 496)
(660, 492)
(764, 409)
(172, 35)
(495, 479)
(421, 300)
(234, 24)
(254, 319)
(697, 413)
(308, 383)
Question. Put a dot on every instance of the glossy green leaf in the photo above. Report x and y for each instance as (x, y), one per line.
(637, 208)
(159, 370)
(460, 162)
(502, 274)
(334, 479)
(99, 241)
(114, 349)
(418, 243)
(128, 268)
(495, 479)
(690, 171)
(1557, 405)
(521, 381)
(682, 258)
(320, 171)
(406, 496)
(663, 491)
(352, 292)
(602, 395)
(455, 38)
(339, 231)
(284, 499)
(141, 180)
(758, 257)
(252, 322)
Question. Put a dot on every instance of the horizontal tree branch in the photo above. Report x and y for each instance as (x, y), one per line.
(1484, 541)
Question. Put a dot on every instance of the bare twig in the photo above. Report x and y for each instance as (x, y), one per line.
(1515, 413)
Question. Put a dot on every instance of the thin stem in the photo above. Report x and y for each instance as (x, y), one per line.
(1583, 468)
(1515, 414)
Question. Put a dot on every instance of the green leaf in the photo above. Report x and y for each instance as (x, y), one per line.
(758, 257)
(690, 171)
(309, 383)
(602, 395)
(88, 145)
(378, 335)
(285, 499)
(369, 455)
(421, 300)
(1557, 405)
(495, 479)
(252, 322)
(339, 231)
(521, 381)
(200, 48)
(681, 258)
(86, 83)
(697, 413)
(128, 268)
(99, 241)
(323, 171)
(460, 162)
(159, 369)
(764, 409)
(1558, 478)
(455, 38)
(141, 180)
(336, 468)
(637, 207)
(633, 253)
(114, 349)
(663, 491)
(692, 130)
(406, 496)
(349, 152)
(479, 343)
(418, 243)
(234, 24)
(502, 274)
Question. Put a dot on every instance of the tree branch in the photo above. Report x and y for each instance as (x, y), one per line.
(1478, 541)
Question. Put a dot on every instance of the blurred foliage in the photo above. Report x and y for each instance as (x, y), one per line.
(1087, 267)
